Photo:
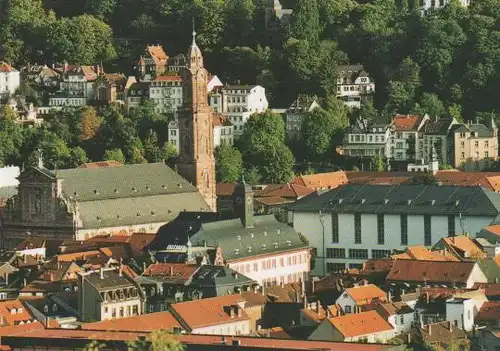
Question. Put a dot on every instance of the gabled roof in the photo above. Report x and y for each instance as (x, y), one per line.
(365, 294)
(111, 280)
(13, 313)
(490, 311)
(143, 323)
(439, 127)
(430, 271)
(420, 252)
(359, 324)
(208, 312)
(218, 276)
(409, 199)
(407, 123)
(6, 68)
(168, 78)
(267, 236)
(464, 246)
(480, 130)
(225, 189)
(330, 180)
(173, 273)
(221, 120)
(157, 53)
(488, 180)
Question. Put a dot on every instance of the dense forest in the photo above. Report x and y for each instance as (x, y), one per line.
(446, 63)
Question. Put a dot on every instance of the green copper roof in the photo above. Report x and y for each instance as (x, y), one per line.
(237, 242)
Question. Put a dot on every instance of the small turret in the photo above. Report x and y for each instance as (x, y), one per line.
(243, 203)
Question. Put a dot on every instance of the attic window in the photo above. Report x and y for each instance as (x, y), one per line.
(249, 249)
(252, 235)
(275, 244)
(340, 201)
(433, 202)
(153, 213)
(289, 242)
(118, 217)
(239, 237)
(263, 246)
(363, 201)
(386, 201)
(116, 191)
(75, 193)
(457, 203)
(134, 189)
(236, 251)
(409, 202)
(138, 214)
(148, 187)
(96, 192)
(179, 185)
(278, 231)
(98, 218)
(164, 186)
(265, 232)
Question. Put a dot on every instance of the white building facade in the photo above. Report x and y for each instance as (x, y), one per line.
(354, 85)
(353, 223)
(166, 93)
(238, 103)
(426, 5)
(10, 80)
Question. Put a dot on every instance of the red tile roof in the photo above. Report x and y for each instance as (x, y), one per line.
(430, 271)
(144, 323)
(171, 271)
(490, 311)
(489, 180)
(101, 164)
(6, 68)
(359, 324)
(221, 120)
(420, 252)
(225, 189)
(464, 244)
(214, 311)
(292, 191)
(404, 123)
(366, 294)
(70, 257)
(494, 229)
(490, 289)
(197, 339)
(14, 313)
(158, 54)
(330, 180)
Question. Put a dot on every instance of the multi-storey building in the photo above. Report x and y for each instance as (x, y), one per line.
(354, 85)
(294, 115)
(353, 223)
(426, 5)
(108, 294)
(166, 93)
(9, 80)
(367, 139)
(434, 136)
(223, 131)
(176, 64)
(135, 93)
(76, 86)
(403, 144)
(152, 63)
(475, 146)
(238, 103)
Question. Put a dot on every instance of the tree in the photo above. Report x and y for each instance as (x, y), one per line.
(160, 341)
(152, 150)
(7, 114)
(318, 129)
(263, 146)
(101, 9)
(252, 175)
(228, 164)
(379, 164)
(430, 104)
(77, 157)
(239, 25)
(90, 123)
(305, 21)
(114, 155)
(424, 179)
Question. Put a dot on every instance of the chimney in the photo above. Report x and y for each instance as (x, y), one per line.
(421, 321)
(389, 296)
(223, 340)
(408, 338)
(171, 271)
(144, 266)
(430, 329)
(427, 297)
(450, 326)
(236, 342)
(101, 271)
(305, 302)
(239, 311)
(120, 273)
(231, 312)
(318, 305)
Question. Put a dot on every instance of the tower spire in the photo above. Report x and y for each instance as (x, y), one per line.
(194, 34)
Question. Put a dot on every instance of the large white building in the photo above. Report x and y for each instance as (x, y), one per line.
(353, 223)
(238, 103)
(9, 80)
(76, 86)
(166, 93)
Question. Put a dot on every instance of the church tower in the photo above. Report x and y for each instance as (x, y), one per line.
(196, 139)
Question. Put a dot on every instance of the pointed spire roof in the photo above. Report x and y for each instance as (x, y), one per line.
(195, 57)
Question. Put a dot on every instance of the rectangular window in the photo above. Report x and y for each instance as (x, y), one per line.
(335, 228)
(357, 228)
(404, 229)
(358, 254)
(486, 144)
(476, 143)
(335, 267)
(356, 265)
(427, 231)
(451, 225)
(335, 253)
(376, 254)
(380, 229)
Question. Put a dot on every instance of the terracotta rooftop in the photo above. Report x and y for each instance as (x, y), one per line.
(420, 252)
(330, 180)
(490, 311)
(171, 271)
(221, 120)
(366, 294)
(403, 123)
(430, 271)
(6, 68)
(495, 229)
(198, 339)
(13, 313)
(70, 257)
(143, 323)
(489, 180)
(358, 324)
(287, 191)
(465, 246)
(225, 189)
(214, 311)
(101, 164)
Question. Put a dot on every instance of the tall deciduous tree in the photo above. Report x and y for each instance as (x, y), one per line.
(305, 21)
(90, 123)
(228, 164)
(114, 155)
